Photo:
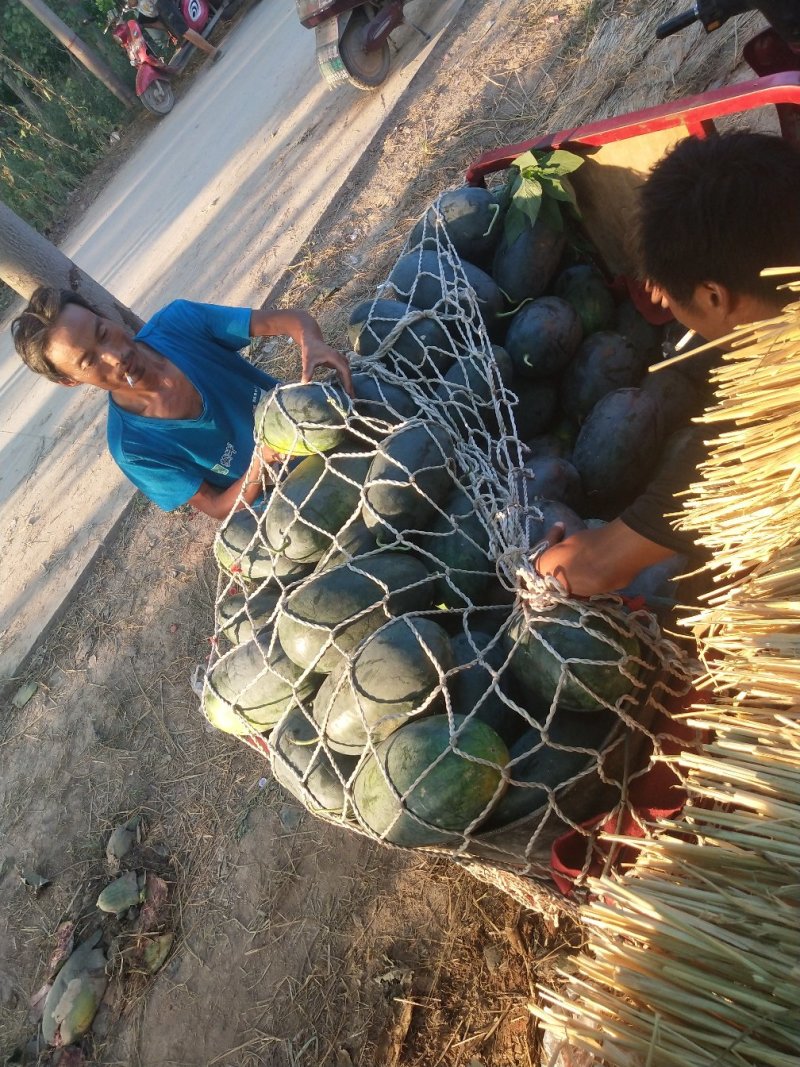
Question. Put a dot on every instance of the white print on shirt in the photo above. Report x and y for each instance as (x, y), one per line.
(224, 465)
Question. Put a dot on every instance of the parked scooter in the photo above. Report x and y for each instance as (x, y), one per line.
(153, 75)
(353, 38)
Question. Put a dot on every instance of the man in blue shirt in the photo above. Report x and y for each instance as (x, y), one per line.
(181, 396)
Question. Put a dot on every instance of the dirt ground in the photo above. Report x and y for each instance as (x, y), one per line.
(296, 944)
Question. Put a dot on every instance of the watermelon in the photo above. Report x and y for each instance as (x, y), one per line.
(241, 550)
(524, 269)
(395, 674)
(535, 408)
(258, 681)
(478, 685)
(312, 504)
(658, 583)
(646, 339)
(411, 473)
(618, 444)
(333, 611)
(552, 511)
(456, 547)
(538, 768)
(352, 540)
(584, 288)
(298, 420)
(550, 478)
(547, 654)
(678, 398)
(381, 402)
(426, 283)
(472, 219)
(239, 617)
(418, 789)
(301, 764)
(604, 362)
(543, 337)
(548, 445)
(420, 347)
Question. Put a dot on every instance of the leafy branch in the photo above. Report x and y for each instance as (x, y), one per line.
(537, 189)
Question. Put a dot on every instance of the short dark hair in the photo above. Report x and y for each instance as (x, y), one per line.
(31, 328)
(721, 209)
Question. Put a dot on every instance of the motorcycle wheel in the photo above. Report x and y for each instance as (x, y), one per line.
(365, 70)
(158, 97)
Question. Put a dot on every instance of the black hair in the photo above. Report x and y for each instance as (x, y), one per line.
(720, 209)
(31, 328)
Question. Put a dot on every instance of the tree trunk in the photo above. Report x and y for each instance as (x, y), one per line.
(90, 59)
(28, 260)
(22, 92)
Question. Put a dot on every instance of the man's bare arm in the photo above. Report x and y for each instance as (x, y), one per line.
(601, 560)
(304, 330)
(217, 503)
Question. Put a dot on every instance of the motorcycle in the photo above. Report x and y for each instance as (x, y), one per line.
(353, 38)
(153, 75)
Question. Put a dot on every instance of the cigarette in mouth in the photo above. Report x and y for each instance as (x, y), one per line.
(684, 341)
(129, 380)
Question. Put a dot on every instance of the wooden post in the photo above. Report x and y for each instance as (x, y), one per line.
(28, 260)
(90, 59)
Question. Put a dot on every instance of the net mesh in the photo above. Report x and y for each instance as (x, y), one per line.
(382, 632)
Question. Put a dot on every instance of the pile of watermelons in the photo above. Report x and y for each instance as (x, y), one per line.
(368, 623)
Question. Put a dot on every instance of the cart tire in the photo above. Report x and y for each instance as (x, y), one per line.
(365, 70)
(158, 97)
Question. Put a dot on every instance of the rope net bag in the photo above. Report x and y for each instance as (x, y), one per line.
(382, 632)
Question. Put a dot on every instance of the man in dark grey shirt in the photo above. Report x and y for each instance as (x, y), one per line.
(714, 213)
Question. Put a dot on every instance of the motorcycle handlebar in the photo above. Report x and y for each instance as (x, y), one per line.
(679, 22)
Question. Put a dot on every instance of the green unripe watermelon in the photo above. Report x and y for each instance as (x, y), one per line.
(426, 283)
(547, 652)
(618, 444)
(536, 406)
(304, 768)
(332, 612)
(524, 269)
(411, 473)
(257, 680)
(313, 503)
(472, 220)
(456, 547)
(240, 617)
(298, 420)
(538, 768)
(543, 337)
(584, 288)
(418, 789)
(421, 347)
(604, 362)
(394, 675)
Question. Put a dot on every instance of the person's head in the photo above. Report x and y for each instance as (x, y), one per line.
(63, 337)
(713, 214)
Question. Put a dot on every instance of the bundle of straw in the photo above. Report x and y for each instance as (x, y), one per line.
(693, 957)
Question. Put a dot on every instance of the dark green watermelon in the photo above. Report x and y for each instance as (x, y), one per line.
(548, 654)
(422, 346)
(300, 419)
(241, 549)
(604, 362)
(552, 511)
(618, 445)
(646, 339)
(536, 408)
(353, 540)
(418, 789)
(472, 219)
(240, 617)
(678, 398)
(524, 269)
(313, 503)
(301, 764)
(376, 400)
(546, 758)
(409, 476)
(478, 684)
(548, 445)
(333, 611)
(585, 288)
(456, 549)
(543, 337)
(550, 478)
(395, 674)
(418, 277)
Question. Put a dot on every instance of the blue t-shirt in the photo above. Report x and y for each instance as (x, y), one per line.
(168, 459)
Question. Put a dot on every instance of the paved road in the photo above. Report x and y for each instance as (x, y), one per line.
(213, 206)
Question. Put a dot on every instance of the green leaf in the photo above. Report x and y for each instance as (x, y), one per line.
(562, 162)
(527, 159)
(516, 223)
(551, 214)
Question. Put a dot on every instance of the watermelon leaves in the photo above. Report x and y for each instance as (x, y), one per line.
(536, 189)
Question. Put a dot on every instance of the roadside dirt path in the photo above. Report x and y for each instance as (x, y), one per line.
(297, 945)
